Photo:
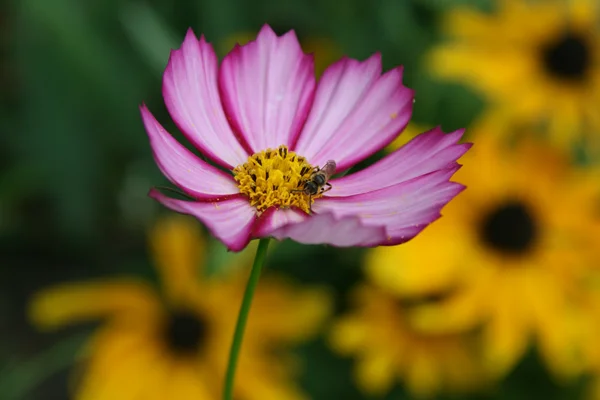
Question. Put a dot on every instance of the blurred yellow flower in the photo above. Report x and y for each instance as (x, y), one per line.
(175, 345)
(538, 59)
(510, 254)
(388, 349)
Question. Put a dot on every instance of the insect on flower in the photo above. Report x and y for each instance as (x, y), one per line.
(262, 115)
(318, 180)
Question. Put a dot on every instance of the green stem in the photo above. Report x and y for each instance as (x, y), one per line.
(238, 335)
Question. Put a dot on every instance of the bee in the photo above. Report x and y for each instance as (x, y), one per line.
(317, 182)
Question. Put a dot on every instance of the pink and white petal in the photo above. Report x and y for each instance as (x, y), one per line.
(267, 87)
(196, 177)
(325, 228)
(230, 220)
(274, 218)
(356, 112)
(427, 152)
(192, 97)
(403, 209)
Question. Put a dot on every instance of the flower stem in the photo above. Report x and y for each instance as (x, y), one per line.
(238, 335)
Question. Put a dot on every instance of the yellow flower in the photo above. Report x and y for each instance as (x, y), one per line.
(175, 345)
(538, 59)
(509, 254)
(388, 348)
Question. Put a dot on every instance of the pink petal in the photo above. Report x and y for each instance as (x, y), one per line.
(327, 229)
(274, 218)
(356, 112)
(182, 167)
(267, 87)
(430, 151)
(229, 220)
(403, 209)
(192, 97)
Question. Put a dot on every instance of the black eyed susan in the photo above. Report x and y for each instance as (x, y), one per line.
(510, 255)
(388, 349)
(175, 346)
(538, 59)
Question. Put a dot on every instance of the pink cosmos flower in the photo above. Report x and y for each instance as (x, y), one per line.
(262, 116)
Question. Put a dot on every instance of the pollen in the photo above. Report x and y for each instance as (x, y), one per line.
(275, 178)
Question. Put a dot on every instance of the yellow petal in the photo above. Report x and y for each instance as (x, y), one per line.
(76, 302)
(122, 364)
(423, 377)
(266, 378)
(347, 334)
(480, 66)
(462, 368)
(506, 336)
(460, 312)
(186, 382)
(413, 269)
(556, 327)
(375, 373)
(286, 313)
(178, 248)
(469, 24)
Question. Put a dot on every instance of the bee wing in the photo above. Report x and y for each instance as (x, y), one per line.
(329, 168)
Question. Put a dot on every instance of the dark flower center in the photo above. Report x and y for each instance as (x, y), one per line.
(509, 228)
(567, 57)
(185, 331)
(430, 298)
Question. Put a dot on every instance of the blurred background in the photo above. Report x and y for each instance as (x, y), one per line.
(500, 301)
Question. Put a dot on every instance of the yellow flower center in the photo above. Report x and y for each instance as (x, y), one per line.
(275, 178)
